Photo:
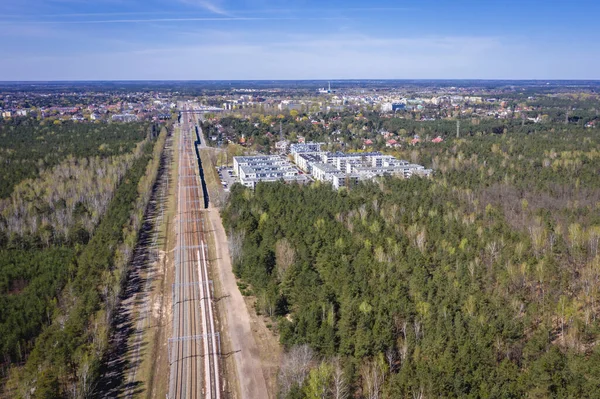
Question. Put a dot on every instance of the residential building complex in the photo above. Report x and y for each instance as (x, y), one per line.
(253, 169)
(347, 169)
(338, 168)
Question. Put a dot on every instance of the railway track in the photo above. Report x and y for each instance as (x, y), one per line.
(194, 348)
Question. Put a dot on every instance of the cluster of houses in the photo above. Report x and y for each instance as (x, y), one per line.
(397, 142)
(338, 168)
(122, 111)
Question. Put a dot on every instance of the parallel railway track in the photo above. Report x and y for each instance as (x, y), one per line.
(194, 348)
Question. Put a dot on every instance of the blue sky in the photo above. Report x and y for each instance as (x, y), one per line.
(302, 39)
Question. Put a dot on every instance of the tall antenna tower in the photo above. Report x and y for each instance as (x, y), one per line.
(329, 90)
(457, 128)
(567, 117)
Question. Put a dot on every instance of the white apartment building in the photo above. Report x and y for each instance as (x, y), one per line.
(306, 147)
(261, 160)
(254, 169)
(305, 160)
(324, 171)
(340, 180)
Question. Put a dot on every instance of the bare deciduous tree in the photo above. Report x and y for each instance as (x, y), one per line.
(391, 355)
(295, 367)
(362, 210)
(373, 377)
(421, 240)
(403, 349)
(86, 382)
(418, 394)
(417, 326)
(236, 240)
(285, 255)
(340, 389)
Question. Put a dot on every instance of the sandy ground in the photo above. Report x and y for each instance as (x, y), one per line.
(158, 370)
(268, 345)
(240, 324)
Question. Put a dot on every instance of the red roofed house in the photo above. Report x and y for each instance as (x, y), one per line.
(391, 143)
(438, 139)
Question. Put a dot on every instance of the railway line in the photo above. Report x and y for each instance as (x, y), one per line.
(194, 348)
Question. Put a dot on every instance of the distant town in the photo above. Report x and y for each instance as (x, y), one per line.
(86, 106)
(421, 101)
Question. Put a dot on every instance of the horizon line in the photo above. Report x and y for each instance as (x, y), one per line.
(315, 79)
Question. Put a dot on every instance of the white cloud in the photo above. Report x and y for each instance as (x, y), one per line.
(212, 6)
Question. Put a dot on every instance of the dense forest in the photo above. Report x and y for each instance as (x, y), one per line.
(28, 147)
(482, 281)
(66, 236)
(64, 203)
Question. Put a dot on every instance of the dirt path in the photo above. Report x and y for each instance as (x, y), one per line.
(157, 363)
(238, 321)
